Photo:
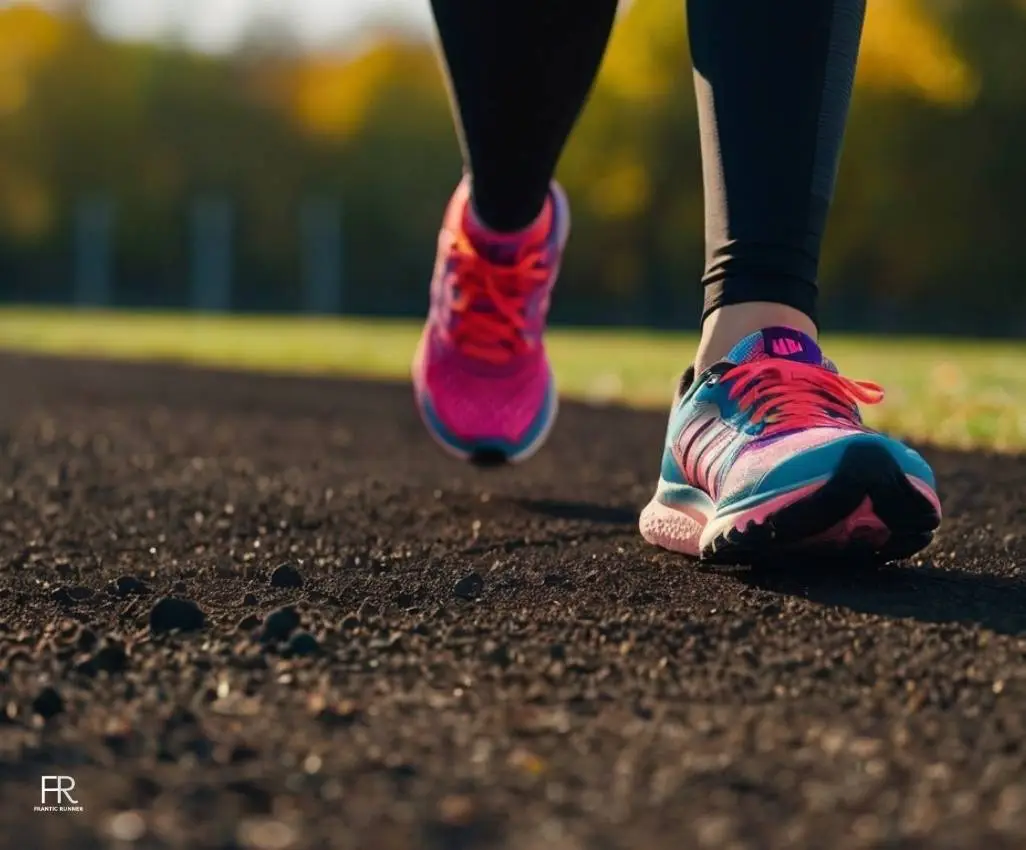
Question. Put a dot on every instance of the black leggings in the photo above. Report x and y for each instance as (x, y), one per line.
(774, 81)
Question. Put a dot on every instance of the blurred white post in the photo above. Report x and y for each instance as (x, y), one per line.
(94, 219)
(321, 226)
(212, 250)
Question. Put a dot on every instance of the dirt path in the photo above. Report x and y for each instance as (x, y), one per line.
(472, 660)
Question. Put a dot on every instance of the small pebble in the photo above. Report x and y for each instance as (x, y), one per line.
(130, 586)
(498, 654)
(280, 624)
(286, 575)
(48, 703)
(456, 810)
(172, 613)
(303, 643)
(110, 657)
(266, 834)
(71, 595)
(126, 826)
(68, 631)
(469, 587)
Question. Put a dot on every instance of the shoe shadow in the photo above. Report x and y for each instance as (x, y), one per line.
(926, 594)
(583, 511)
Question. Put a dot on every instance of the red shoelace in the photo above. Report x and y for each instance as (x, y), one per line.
(491, 301)
(786, 395)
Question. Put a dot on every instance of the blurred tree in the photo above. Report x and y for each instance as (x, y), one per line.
(29, 37)
(925, 231)
(906, 49)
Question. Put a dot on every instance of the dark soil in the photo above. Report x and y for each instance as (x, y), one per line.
(244, 612)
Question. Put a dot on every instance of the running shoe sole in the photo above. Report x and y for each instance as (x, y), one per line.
(867, 509)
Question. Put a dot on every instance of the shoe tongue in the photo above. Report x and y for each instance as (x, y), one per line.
(498, 252)
(504, 249)
(777, 343)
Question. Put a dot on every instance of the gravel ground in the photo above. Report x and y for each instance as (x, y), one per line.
(245, 612)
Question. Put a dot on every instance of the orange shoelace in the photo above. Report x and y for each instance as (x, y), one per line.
(786, 395)
(491, 301)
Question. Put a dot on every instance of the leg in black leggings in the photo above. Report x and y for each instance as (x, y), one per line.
(774, 81)
(520, 72)
(802, 474)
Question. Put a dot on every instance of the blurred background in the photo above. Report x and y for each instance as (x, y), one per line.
(294, 156)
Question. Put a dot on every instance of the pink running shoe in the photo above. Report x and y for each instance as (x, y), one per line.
(481, 375)
(766, 453)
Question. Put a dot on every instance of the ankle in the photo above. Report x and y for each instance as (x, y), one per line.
(726, 327)
(483, 226)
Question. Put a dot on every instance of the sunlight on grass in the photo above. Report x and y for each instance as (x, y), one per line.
(955, 393)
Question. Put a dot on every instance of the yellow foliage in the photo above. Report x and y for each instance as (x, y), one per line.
(647, 53)
(13, 92)
(622, 190)
(26, 205)
(28, 37)
(903, 49)
(333, 97)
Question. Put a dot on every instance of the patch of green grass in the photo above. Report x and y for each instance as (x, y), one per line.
(960, 393)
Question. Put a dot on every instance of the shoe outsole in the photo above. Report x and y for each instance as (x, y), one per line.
(488, 458)
(867, 510)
